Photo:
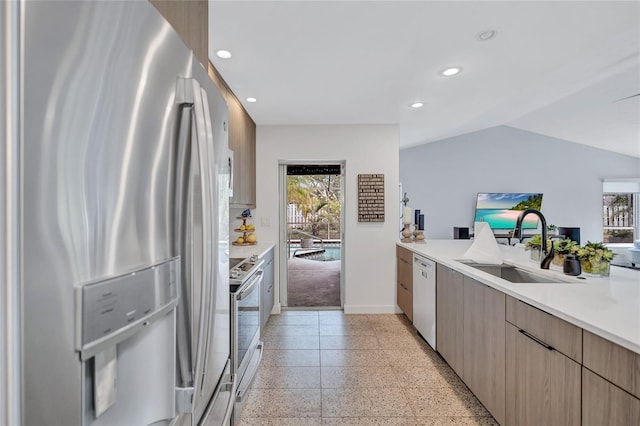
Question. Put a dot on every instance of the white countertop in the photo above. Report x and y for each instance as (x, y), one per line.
(258, 249)
(608, 307)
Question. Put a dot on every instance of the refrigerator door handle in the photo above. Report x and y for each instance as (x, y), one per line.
(208, 147)
(231, 159)
(183, 333)
(201, 149)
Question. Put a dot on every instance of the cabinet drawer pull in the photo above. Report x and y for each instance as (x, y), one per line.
(535, 339)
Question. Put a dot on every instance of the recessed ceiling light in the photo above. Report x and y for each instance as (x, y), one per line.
(451, 71)
(486, 35)
(223, 54)
(417, 104)
(252, 100)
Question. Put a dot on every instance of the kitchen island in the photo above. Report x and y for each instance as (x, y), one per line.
(608, 307)
(562, 350)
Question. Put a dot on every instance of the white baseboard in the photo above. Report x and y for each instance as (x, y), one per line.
(276, 309)
(371, 309)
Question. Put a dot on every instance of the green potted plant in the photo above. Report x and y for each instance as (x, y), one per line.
(595, 258)
(562, 248)
(534, 245)
(552, 229)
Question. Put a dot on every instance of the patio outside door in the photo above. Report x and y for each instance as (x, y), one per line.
(311, 237)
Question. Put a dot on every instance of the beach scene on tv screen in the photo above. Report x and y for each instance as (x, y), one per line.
(501, 210)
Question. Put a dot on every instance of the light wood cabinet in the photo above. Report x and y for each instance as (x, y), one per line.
(404, 289)
(605, 404)
(267, 288)
(618, 365)
(190, 19)
(543, 378)
(449, 314)
(542, 385)
(525, 365)
(557, 333)
(484, 345)
(610, 383)
(242, 141)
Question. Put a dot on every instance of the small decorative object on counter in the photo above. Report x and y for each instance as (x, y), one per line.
(248, 238)
(571, 265)
(595, 258)
(406, 221)
(418, 232)
(563, 248)
(552, 230)
(534, 245)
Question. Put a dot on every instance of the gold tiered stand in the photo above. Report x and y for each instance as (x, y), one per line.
(245, 232)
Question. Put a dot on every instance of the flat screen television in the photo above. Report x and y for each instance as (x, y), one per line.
(501, 210)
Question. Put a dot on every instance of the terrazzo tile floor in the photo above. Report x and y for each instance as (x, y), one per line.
(328, 368)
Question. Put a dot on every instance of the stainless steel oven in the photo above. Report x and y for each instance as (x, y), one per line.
(246, 346)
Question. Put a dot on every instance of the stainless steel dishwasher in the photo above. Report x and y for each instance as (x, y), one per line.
(424, 298)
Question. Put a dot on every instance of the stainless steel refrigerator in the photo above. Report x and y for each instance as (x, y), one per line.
(117, 191)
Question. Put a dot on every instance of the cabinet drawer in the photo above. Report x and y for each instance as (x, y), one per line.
(405, 255)
(606, 404)
(559, 334)
(615, 363)
(404, 259)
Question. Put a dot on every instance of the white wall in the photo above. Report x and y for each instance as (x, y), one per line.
(442, 178)
(369, 247)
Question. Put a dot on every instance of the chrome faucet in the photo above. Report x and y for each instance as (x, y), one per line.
(517, 233)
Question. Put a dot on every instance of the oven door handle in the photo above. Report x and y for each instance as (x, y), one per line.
(250, 285)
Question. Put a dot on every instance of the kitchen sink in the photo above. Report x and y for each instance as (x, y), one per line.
(512, 273)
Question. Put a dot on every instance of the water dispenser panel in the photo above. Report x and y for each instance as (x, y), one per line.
(115, 305)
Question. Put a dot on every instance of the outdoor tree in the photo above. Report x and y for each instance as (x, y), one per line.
(317, 197)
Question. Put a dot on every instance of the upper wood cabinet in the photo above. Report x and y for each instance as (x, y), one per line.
(242, 141)
(190, 19)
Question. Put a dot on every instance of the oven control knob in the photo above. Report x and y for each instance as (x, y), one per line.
(254, 258)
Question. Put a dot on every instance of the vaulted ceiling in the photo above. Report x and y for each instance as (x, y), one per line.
(566, 69)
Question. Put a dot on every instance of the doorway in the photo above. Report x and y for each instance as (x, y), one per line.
(311, 238)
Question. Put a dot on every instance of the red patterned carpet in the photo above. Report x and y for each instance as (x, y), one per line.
(313, 283)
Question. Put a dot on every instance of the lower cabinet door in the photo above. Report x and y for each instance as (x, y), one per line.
(603, 403)
(405, 300)
(449, 317)
(543, 386)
